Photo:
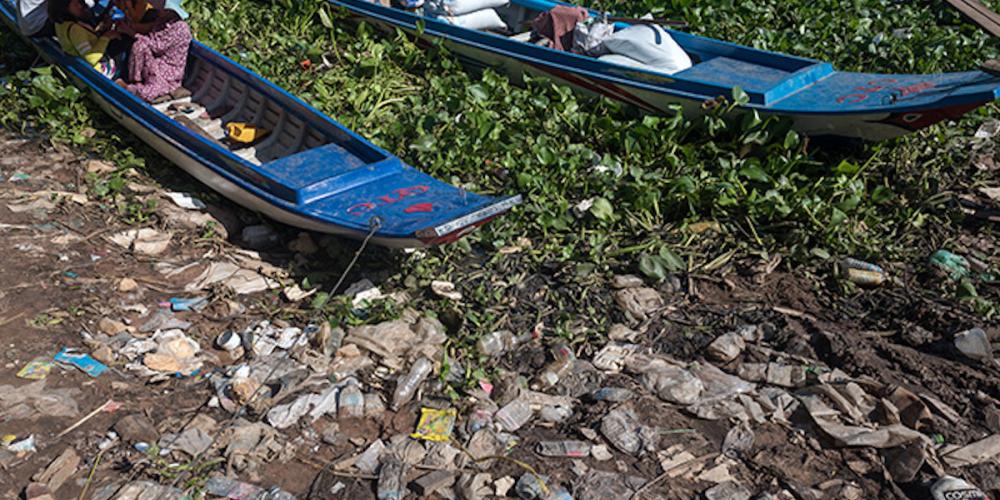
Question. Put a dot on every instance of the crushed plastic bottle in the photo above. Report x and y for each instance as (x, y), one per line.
(953, 488)
(501, 341)
(514, 415)
(612, 394)
(553, 371)
(406, 387)
(569, 448)
(350, 402)
(391, 479)
(532, 487)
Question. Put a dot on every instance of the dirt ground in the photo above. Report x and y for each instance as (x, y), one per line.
(61, 275)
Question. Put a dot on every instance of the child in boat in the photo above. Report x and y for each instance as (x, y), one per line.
(78, 37)
(159, 52)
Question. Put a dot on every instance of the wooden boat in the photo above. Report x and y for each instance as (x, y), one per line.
(308, 171)
(820, 100)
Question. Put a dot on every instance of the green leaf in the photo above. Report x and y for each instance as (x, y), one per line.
(754, 173)
(882, 194)
(846, 168)
(739, 96)
(424, 144)
(478, 93)
(602, 209)
(652, 267)
(672, 261)
(791, 140)
(324, 18)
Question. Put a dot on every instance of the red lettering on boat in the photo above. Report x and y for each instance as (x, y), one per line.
(419, 208)
(388, 199)
(915, 88)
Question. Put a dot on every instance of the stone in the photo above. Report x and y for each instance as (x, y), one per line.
(726, 347)
(639, 303)
(621, 333)
(136, 428)
(126, 285)
(303, 244)
(428, 484)
(104, 354)
(601, 453)
(111, 327)
(37, 491)
(626, 281)
(975, 344)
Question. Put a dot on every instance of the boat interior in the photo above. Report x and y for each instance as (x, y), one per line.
(718, 66)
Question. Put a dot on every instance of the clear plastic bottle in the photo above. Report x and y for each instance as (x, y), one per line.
(350, 402)
(571, 448)
(553, 371)
(514, 415)
(501, 341)
(406, 386)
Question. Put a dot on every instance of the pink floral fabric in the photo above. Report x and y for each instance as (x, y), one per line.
(157, 60)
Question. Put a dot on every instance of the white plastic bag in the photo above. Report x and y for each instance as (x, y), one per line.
(651, 45)
(588, 38)
(486, 19)
(461, 7)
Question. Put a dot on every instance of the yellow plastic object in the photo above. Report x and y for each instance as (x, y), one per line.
(7, 439)
(435, 425)
(244, 132)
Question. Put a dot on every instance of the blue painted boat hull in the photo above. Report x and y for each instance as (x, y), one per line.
(312, 172)
(820, 100)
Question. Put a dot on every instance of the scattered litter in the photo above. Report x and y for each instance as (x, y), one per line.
(953, 488)
(178, 304)
(446, 289)
(238, 490)
(638, 303)
(570, 448)
(860, 272)
(435, 425)
(36, 369)
(727, 347)
(514, 415)
(407, 386)
(175, 354)
(974, 453)
(187, 201)
(622, 429)
(163, 319)
(145, 241)
(391, 480)
(26, 445)
(84, 362)
(975, 344)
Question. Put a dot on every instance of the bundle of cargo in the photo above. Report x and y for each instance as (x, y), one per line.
(469, 14)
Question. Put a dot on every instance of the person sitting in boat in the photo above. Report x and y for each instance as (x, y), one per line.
(79, 36)
(159, 51)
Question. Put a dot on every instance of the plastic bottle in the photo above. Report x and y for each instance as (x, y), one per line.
(552, 372)
(390, 479)
(514, 415)
(501, 341)
(350, 402)
(860, 272)
(568, 448)
(406, 387)
(612, 394)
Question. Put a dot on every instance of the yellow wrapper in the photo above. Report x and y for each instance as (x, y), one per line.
(435, 425)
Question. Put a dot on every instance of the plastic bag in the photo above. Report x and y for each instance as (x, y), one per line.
(462, 7)
(486, 19)
(588, 38)
(650, 45)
